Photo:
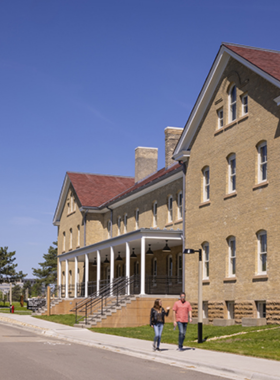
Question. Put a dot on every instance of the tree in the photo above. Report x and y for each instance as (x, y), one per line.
(26, 285)
(8, 267)
(16, 293)
(47, 274)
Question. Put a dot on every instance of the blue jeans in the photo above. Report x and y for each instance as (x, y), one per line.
(158, 331)
(182, 326)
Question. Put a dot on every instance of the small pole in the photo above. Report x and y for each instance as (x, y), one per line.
(200, 317)
(48, 300)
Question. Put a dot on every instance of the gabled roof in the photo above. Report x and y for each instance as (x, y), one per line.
(93, 189)
(265, 63)
(96, 191)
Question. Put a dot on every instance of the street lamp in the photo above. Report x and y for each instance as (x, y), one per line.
(199, 306)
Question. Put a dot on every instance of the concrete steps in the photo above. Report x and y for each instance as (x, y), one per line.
(108, 311)
(42, 310)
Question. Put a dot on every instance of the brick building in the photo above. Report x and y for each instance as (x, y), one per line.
(231, 149)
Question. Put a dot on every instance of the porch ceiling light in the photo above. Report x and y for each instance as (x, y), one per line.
(94, 263)
(133, 256)
(149, 252)
(119, 257)
(166, 249)
(106, 261)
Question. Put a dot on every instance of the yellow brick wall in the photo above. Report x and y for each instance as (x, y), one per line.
(251, 209)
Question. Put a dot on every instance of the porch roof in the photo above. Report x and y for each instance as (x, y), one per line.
(153, 236)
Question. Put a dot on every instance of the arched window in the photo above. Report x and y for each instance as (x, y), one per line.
(63, 278)
(70, 277)
(170, 266)
(109, 229)
(125, 223)
(119, 271)
(262, 161)
(137, 218)
(63, 241)
(155, 214)
(205, 258)
(206, 184)
(71, 239)
(78, 236)
(71, 203)
(170, 209)
(232, 103)
(155, 267)
(262, 252)
(231, 173)
(231, 256)
(180, 205)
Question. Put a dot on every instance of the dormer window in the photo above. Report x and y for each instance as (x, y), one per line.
(232, 103)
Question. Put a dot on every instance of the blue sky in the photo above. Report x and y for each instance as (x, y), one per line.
(82, 83)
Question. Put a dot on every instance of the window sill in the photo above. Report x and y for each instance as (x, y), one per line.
(231, 124)
(231, 195)
(204, 204)
(70, 213)
(178, 221)
(169, 224)
(206, 282)
(260, 277)
(78, 246)
(230, 279)
(260, 185)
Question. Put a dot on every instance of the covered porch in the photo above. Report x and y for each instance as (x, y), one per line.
(152, 256)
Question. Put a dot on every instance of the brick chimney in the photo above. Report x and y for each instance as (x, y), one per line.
(146, 162)
(172, 135)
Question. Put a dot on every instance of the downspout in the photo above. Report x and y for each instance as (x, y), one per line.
(183, 164)
(111, 226)
(85, 228)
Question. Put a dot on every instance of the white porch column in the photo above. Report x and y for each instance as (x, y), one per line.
(59, 278)
(142, 288)
(98, 271)
(112, 265)
(86, 274)
(76, 275)
(66, 278)
(127, 265)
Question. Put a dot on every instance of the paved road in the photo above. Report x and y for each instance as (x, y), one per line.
(28, 356)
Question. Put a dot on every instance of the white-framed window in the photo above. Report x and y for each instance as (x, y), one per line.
(170, 266)
(170, 209)
(231, 173)
(137, 218)
(78, 236)
(244, 101)
(180, 205)
(232, 103)
(71, 239)
(220, 114)
(155, 214)
(206, 184)
(180, 267)
(205, 258)
(125, 223)
(109, 228)
(262, 252)
(63, 241)
(261, 309)
(262, 162)
(230, 309)
(231, 256)
(205, 309)
(119, 225)
(71, 203)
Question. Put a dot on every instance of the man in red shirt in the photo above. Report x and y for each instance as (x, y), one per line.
(181, 311)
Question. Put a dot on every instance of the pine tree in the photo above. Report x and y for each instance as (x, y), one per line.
(8, 267)
(47, 274)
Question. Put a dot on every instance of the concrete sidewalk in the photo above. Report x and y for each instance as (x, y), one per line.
(216, 363)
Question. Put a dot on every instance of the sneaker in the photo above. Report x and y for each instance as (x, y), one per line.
(179, 349)
(154, 347)
(158, 349)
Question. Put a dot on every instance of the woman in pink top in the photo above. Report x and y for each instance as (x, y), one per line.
(181, 311)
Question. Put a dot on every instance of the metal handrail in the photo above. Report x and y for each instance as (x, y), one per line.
(99, 299)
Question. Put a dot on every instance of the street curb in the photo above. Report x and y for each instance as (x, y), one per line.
(185, 363)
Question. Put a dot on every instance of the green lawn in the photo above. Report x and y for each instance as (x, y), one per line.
(18, 309)
(263, 344)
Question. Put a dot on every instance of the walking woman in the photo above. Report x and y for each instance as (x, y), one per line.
(157, 321)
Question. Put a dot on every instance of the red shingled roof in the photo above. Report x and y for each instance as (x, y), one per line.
(266, 60)
(93, 190)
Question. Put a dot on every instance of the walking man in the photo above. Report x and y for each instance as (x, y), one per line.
(182, 310)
